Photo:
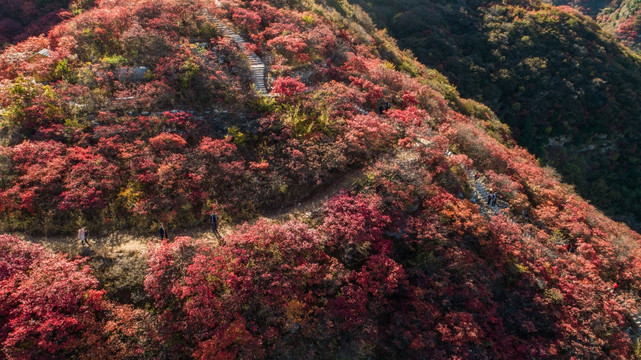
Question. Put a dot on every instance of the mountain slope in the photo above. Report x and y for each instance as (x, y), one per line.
(149, 114)
(566, 88)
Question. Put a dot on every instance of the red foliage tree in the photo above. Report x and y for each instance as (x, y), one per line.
(267, 267)
(50, 306)
(248, 19)
(89, 182)
(354, 222)
(288, 86)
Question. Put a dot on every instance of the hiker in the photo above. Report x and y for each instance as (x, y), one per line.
(615, 286)
(387, 105)
(494, 196)
(86, 236)
(162, 232)
(380, 109)
(213, 219)
(81, 237)
(476, 176)
(489, 199)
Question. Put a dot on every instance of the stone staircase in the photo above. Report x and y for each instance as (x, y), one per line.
(634, 332)
(257, 67)
(637, 319)
(360, 110)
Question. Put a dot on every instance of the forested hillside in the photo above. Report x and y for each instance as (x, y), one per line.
(591, 8)
(621, 17)
(566, 88)
(142, 112)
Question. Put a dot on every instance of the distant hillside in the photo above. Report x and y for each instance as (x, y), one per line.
(147, 112)
(591, 8)
(22, 19)
(567, 89)
(620, 17)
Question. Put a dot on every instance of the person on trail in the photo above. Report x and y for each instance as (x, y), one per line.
(615, 286)
(489, 199)
(494, 197)
(380, 109)
(87, 236)
(213, 219)
(387, 105)
(162, 232)
(476, 176)
(81, 237)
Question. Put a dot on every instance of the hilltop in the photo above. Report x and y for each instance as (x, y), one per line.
(363, 231)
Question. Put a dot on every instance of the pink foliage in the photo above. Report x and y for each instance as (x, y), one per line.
(354, 221)
(288, 86)
(247, 18)
(167, 141)
(368, 133)
(49, 305)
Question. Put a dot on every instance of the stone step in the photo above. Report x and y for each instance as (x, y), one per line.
(257, 67)
(361, 110)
